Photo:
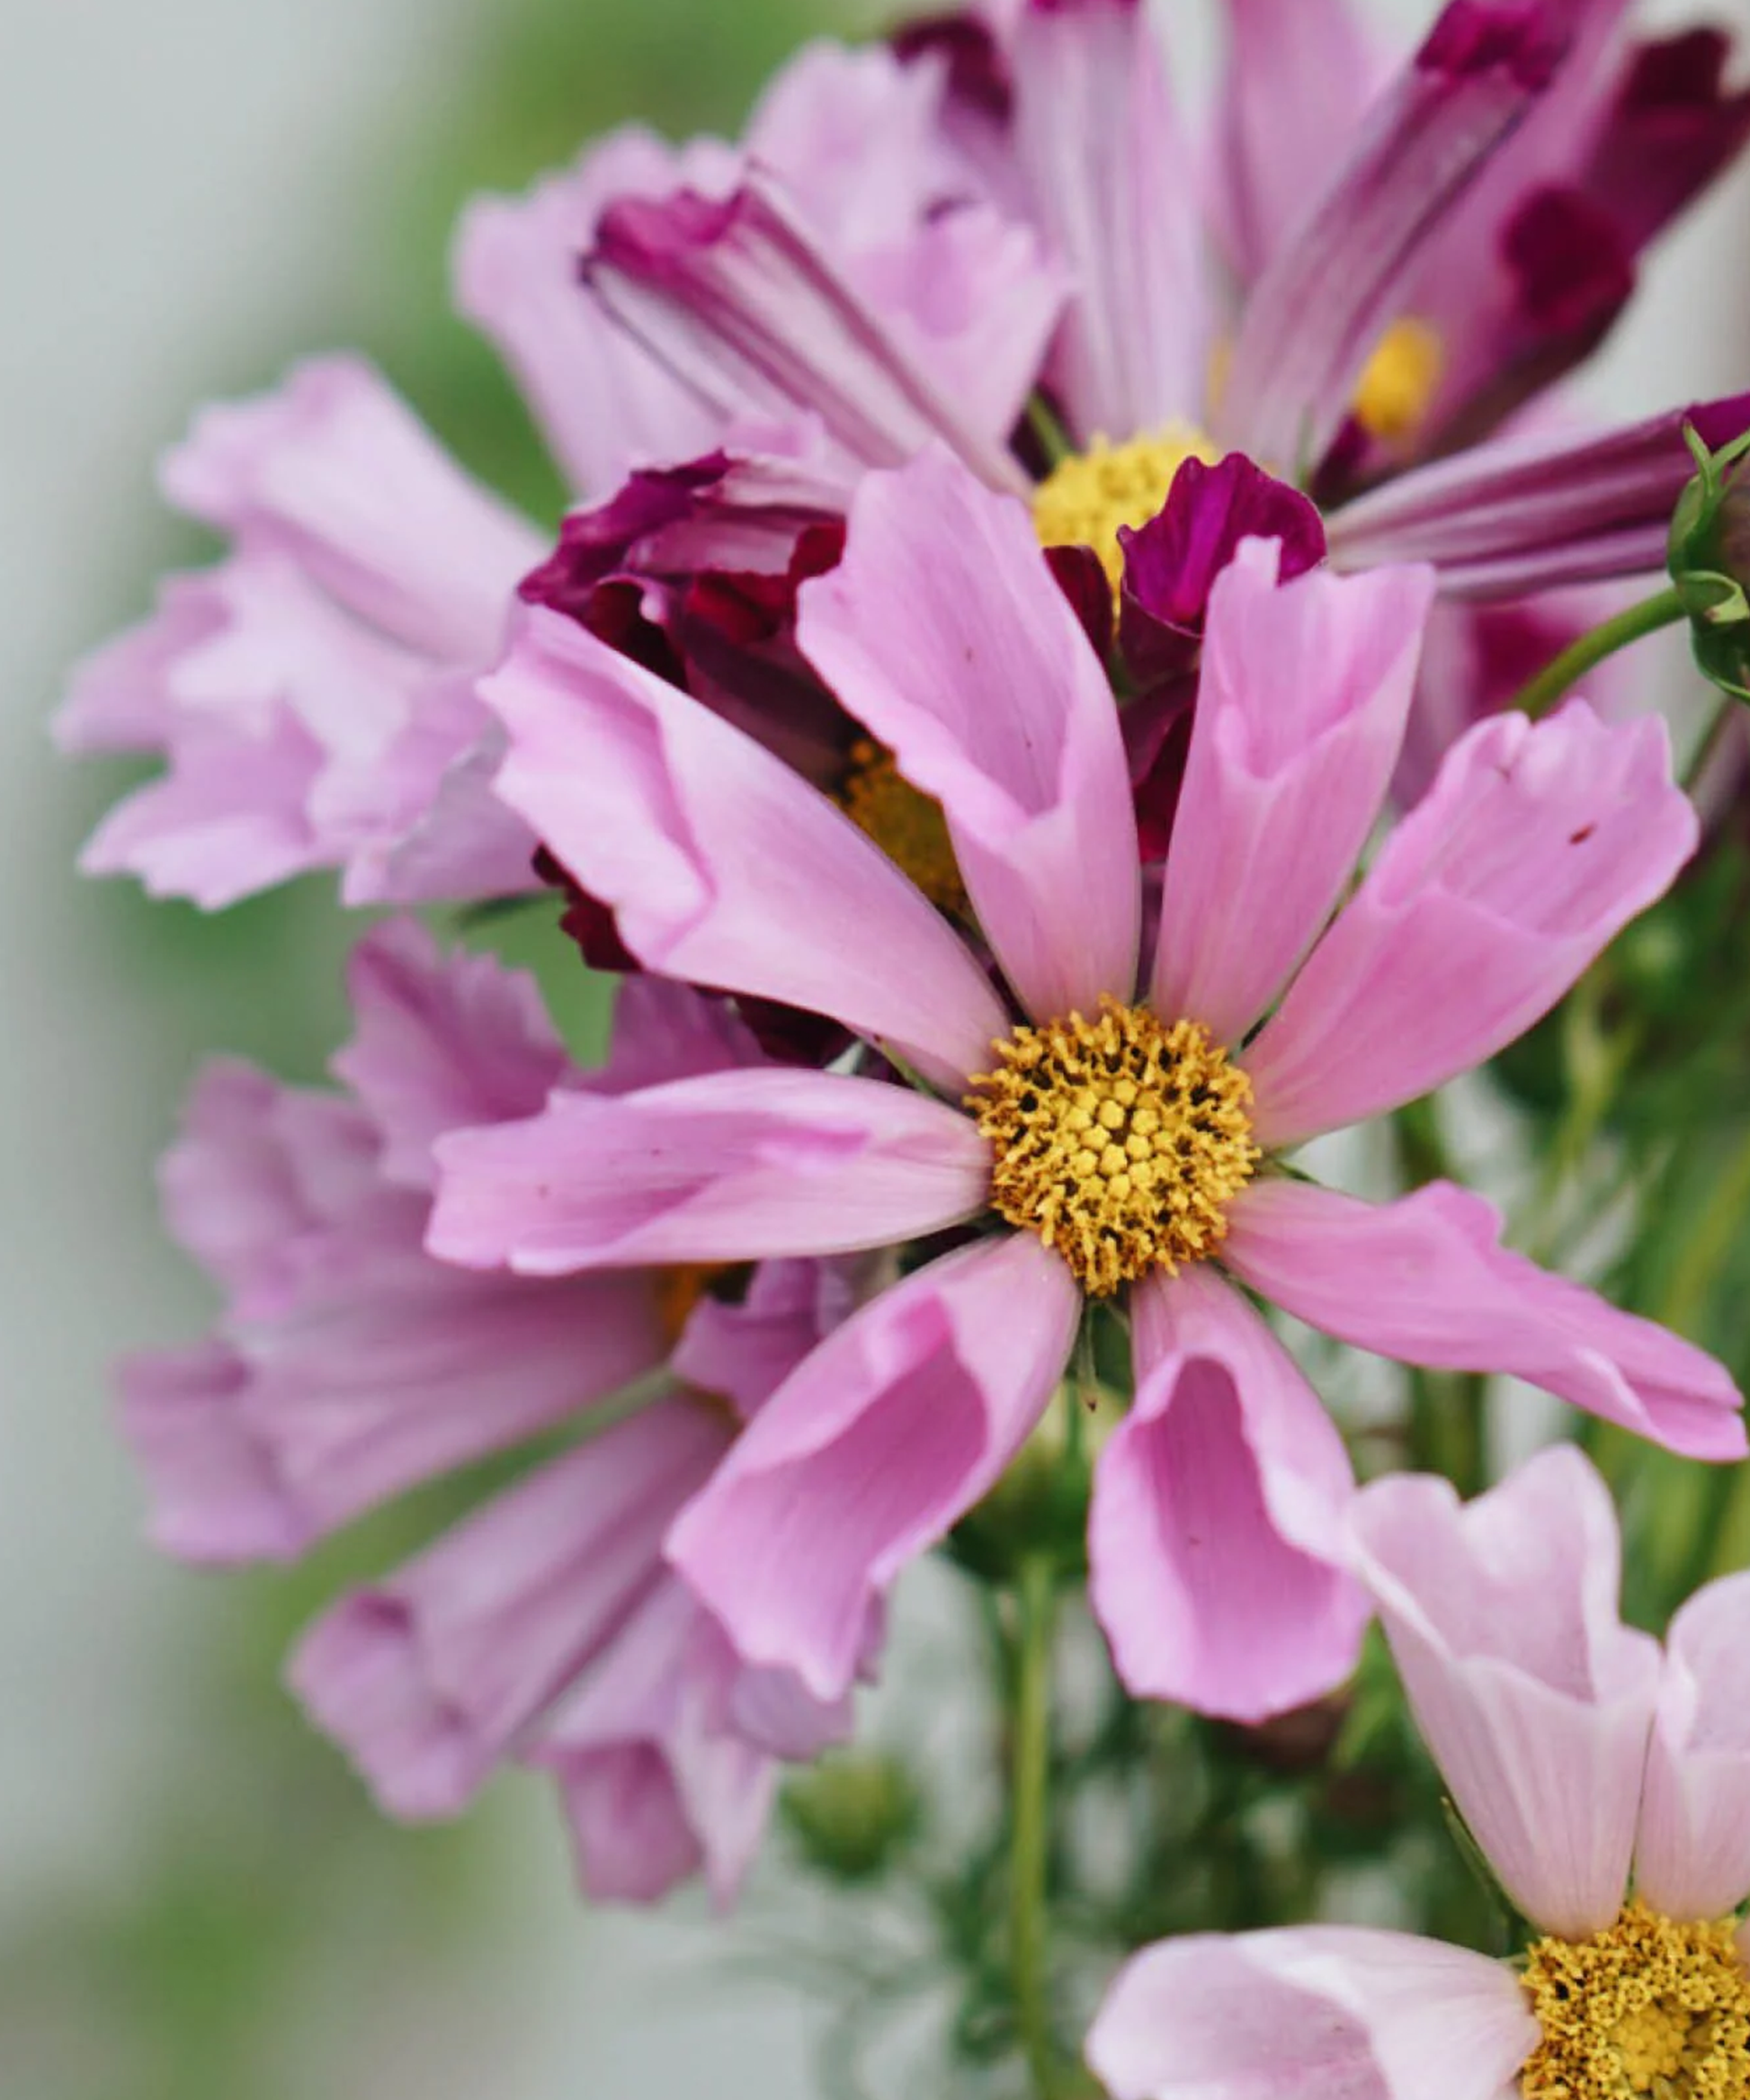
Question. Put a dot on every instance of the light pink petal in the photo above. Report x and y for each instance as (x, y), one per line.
(429, 1678)
(336, 471)
(1329, 294)
(440, 1042)
(604, 404)
(1112, 184)
(1298, 78)
(895, 1427)
(1532, 1695)
(1536, 845)
(743, 1353)
(1313, 2013)
(723, 866)
(1279, 800)
(656, 1786)
(1216, 1536)
(1426, 1280)
(121, 697)
(743, 301)
(401, 1370)
(663, 1031)
(260, 1177)
(733, 1166)
(214, 1491)
(942, 631)
(1692, 1856)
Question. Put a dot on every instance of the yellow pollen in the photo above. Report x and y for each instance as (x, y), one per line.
(678, 1289)
(907, 826)
(1086, 497)
(1648, 2009)
(1397, 390)
(1118, 1141)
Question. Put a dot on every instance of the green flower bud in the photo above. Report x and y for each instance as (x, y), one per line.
(1710, 561)
(853, 1812)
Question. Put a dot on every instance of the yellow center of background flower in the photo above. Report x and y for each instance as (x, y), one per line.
(1648, 2009)
(1397, 390)
(1118, 1141)
(907, 826)
(1087, 496)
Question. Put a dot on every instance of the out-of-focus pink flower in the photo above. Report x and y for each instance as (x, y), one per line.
(1129, 1101)
(349, 1366)
(312, 693)
(1578, 1753)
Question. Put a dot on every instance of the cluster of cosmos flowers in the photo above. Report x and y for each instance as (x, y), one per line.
(1019, 698)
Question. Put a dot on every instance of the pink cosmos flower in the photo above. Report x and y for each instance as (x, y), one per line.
(1135, 1093)
(350, 1367)
(1416, 255)
(312, 693)
(1606, 1781)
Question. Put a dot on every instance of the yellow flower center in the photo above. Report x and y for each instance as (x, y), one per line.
(907, 826)
(1118, 1141)
(1648, 2009)
(678, 1289)
(1397, 389)
(1086, 497)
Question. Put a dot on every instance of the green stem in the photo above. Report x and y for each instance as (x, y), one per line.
(1030, 1802)
(1712, 1239)
(1665, 608)
(1725, 708)
(1054, 439)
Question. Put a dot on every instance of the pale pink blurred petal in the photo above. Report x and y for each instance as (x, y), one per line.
(1111, 181)
(604, 404)
(1216, 1535)
(1312, 2012)
(1278, 801)
(1536, 845)
(1427, 1281)
(731, 1166)
(1692, 1856)
(944, 633)
(722, 864)
(440, 1042)
(1532, 1695)
(428, 1677)
(901, 1420)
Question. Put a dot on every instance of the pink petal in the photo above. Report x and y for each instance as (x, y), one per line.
(1533, 1697)
(1216, 1535)
(895, 1426)
(1322, 304)
(604, 404)
(746, 304)
(429, 1678)
(743, 1353)
(942, 632)
(1427, 1281)
(440, 1042)
(214, 1491)
(1536, 845)
(1111, 183)
(1311, 2014)
(334, 470)
(1298, 78)
(663, 1031)
(1692, 1855)
(722, 865)
(1278, 801)
(732, 1167)
(656, 1786)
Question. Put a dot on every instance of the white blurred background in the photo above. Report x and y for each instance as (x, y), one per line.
(191, 193)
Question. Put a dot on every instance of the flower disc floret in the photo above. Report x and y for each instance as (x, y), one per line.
(1118, 1141)
(1087, 496)
(906, 824)
(1648, 2009)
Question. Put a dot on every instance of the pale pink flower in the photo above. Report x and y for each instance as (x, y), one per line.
(1606, 1781)
(349, 1367)
(1218, 1504)
(313, 692)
